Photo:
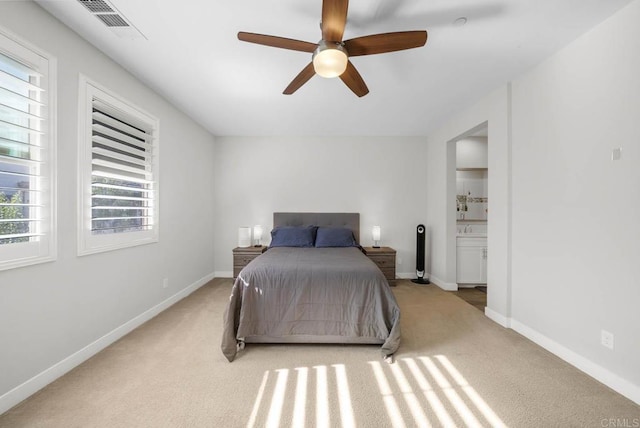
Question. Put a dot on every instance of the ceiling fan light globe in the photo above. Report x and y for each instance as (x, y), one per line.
(330, 60)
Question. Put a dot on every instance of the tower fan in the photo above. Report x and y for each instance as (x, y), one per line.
(420, 235)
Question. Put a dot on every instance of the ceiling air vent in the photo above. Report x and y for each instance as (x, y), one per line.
(97, 6)
(112, 20)
(110, 17)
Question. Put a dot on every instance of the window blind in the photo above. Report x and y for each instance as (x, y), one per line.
(122, 181)
(22, 136)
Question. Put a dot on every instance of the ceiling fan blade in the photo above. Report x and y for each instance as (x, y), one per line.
(277, 42)
(303, 77)
(334, 19)
(354, 81)
(386, 42)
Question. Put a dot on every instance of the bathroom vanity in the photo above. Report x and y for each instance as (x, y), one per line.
(471, 263)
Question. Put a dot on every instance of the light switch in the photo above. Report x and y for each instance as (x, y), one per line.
(616, 154)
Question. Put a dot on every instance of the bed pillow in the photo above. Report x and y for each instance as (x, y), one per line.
(335, 237)
(293, 236)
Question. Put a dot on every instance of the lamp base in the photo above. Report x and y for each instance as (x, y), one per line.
(420, 281)
(376, 246)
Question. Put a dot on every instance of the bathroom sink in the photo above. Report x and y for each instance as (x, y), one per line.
(472, 235)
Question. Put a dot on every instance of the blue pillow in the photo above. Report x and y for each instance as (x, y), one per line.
(335, 237)
(293, 236)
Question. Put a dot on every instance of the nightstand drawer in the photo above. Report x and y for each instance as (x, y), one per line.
(383, 261)
(243, 259)
(389, 273)
(242, 256)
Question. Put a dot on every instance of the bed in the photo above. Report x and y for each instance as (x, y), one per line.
(312, 292)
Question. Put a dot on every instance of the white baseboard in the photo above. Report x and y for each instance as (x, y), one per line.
(612, 380)
(223, 274)
(39, 381)
(432, 279)
(497, 317)
(448, 286)
(405, 275)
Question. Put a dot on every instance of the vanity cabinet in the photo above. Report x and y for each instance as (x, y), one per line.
(471, 260)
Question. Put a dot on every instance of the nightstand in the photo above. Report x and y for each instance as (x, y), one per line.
(385, 259)
(243, 255)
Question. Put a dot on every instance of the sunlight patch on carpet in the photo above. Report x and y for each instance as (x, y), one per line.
(256, 405)
(463, 410)
(429, 394)
(422, 391)
(322, 397)
(480, 404)
(299, 408)
(277, 400)
(419, 417)
(387, 395)
(416, 391)
(344, 397)
(309, 389)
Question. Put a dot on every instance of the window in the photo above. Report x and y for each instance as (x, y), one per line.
(118, 167)
(27, 154)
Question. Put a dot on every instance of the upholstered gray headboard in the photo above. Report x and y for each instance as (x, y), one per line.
(350, 220)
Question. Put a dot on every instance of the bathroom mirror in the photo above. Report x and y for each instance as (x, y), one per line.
(471, 194)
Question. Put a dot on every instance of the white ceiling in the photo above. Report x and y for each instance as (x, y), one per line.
(191, 55)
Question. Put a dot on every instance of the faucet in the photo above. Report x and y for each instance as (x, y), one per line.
(467, 229)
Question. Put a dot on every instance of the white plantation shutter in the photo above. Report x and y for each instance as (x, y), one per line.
(122, 177)
(120, 164)
(27, 144)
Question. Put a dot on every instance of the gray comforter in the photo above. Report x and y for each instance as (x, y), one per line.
(318, 295)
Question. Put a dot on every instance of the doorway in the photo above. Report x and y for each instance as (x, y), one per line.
(472, 209)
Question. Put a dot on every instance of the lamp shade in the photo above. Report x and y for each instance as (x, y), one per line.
(257, 233)
(375, 233)
(244, 236)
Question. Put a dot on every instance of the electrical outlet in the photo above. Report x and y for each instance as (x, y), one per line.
(606, 338)
(165, 283)
(399, 261)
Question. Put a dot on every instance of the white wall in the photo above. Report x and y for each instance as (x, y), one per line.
(472, 152)
(382, 178)
(441, 166)
(576, 238)
(50, 312)
(571, 238)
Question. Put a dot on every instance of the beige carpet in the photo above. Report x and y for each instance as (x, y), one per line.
(455, 367)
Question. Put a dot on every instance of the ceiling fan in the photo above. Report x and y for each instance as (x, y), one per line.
(331, 54)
